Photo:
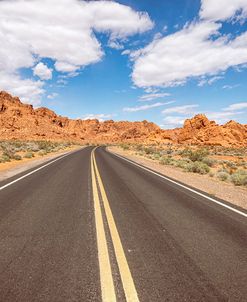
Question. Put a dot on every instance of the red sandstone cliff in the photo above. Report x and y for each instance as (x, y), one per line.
(21, 121)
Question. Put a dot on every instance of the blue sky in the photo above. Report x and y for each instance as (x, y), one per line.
(163, 61)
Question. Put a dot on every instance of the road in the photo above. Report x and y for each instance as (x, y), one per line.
(91, 226)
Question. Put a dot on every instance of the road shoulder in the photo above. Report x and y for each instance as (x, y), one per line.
(226, 191)
(16, 167)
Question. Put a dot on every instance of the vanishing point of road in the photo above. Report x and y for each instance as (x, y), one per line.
(93, 226)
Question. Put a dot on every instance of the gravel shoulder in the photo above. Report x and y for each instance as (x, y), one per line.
(13, 168)
(214, 187)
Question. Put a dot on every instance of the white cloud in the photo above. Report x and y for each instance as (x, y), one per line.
(101, 116)
(230, 86)
(209, 81)
(151, 89)
(62, 30)
(28, 90)
(115, 45)
(165, 28)
(236, 106)
(52, 95)
(223, 9)
(223, 117)
(173, 121)
(145, 107)
(126, 52)
(195, 51)
(186, 109)
(42, 71)
(153, 96)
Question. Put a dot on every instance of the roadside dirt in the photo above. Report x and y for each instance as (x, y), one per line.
(12, 168)
(214, 187)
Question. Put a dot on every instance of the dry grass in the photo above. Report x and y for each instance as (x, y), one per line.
(225, 180)
(14, 153)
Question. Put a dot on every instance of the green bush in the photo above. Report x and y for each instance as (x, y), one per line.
(166, 161)
(194, 156)
(209, 161)
(239, 178)
(42, 153)
(230, 164)
(156, 156)
(9, 153)
(197, 167)
(180, 163)
(4, 158)
(17, 157)
(223, 176)
(124, 146)
(149, 150)
(28, 155)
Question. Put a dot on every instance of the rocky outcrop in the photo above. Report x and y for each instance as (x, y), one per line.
(199, 130)
(21, 121)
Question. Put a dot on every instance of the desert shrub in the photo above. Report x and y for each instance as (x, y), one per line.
(156, 156)
(185, 152)
(222, 176)
(209, 161)
(9, 152)
(42, 153)
(198, 155)
(166, 160)
(17, 157)
(230, 164)
(222, 170)
(124, 146)
(239, 178)
(149, 150)
(28, 155)
(4, 158)
(197, 167)
(139, 148)
(211, 174)
(169, 151)
(180, 163)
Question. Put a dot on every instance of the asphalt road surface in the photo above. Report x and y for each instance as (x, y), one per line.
(91, 226)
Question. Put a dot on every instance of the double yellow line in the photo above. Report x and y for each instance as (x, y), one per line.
(106, 279)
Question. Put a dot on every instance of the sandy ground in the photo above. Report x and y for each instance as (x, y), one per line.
(12, 168)
(212, 186)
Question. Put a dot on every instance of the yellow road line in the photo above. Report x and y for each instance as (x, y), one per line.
(126, 277)
(106, 280)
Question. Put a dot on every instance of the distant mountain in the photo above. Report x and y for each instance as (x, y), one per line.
(21, 121)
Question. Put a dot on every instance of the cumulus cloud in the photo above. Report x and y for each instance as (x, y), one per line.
(223, 117)
(173, 121)
(52, 96)
(186, 109)
(145, 107)
(42, 71)
(101, 116)
(153, 96)
(236, 106)
(177, 115)
(194, 51)
(223, 9)
(198, 50)
(62, 30)
(209, 81)
(28, 90)
(230, 86)
(115, 45)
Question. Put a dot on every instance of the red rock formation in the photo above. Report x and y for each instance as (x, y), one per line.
(21, 121)
(199, 130)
